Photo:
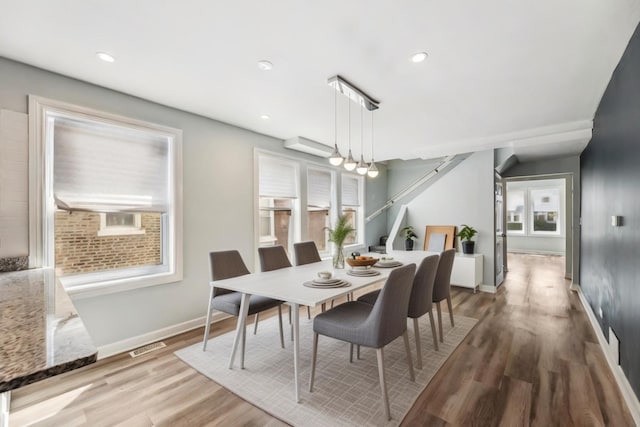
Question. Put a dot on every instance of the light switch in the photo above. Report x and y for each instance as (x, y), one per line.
(616, 221)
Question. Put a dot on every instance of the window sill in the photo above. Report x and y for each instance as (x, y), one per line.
(103, 283)
(120, 231)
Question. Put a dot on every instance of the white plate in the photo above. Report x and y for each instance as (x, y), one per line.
(341, 284)
(320, 281)
(389, 264)
(362, 273)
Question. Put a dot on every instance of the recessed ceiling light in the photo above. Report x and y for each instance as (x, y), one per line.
(419, 57)
(105, 57)
(265, 65)
(265, 117)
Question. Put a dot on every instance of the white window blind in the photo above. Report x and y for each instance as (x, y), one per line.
(319, 188)
(277, 178)
(109, 168)
(350, 191)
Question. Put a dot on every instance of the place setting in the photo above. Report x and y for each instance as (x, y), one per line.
(325, 280)
(361, 266)
(387, 262)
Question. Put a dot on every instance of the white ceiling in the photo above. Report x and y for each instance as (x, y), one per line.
(499, 73)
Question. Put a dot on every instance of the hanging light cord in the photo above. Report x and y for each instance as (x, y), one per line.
(335, 117)
(371, 136)
(361, 131)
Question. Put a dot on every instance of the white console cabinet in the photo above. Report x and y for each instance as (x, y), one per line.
(467, 271)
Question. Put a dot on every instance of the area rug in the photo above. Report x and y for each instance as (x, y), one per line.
(345, 394)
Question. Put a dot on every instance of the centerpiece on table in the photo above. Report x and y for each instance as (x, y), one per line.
(338, 235)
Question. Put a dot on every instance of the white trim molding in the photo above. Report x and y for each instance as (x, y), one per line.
(627, 392)
(132, 343)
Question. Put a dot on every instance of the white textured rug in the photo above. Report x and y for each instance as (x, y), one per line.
(345, 394)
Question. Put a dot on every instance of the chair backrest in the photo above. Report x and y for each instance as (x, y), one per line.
(443, 275)
(306, 253)
(421, 299)
(224, 265)
(273, 258)
(388, 318)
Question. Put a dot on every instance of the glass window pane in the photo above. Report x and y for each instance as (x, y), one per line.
(121, 219)
(515, 210)
(317, 220)
(545, 204)
(352, 220)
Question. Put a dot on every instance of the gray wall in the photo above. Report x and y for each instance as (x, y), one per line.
(218, 199)
(609, 267)
(562, 165)
(462, 195)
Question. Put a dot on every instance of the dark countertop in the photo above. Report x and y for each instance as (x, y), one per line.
(41, 334)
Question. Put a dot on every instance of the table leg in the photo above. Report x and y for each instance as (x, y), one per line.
(5, 404)
(296, 348)
(242, 322)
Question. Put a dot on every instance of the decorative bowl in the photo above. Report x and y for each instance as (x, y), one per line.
(361, 262)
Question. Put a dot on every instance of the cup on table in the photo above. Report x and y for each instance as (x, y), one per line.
(325, 275)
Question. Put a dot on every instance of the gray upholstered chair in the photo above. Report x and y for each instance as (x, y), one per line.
(420, 302)
(275, 258)
(225, 265)
(306, 253)
(442, 285)
(372, 326)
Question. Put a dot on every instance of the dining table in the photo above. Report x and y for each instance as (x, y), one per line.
(287, 285)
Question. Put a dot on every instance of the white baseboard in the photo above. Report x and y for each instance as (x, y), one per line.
(625, 388)
(157, 335)
(488, 288)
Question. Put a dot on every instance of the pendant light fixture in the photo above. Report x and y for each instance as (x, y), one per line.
(362, 167)
(350, 163)
(356, 95)
(373, 170)
(335, 158)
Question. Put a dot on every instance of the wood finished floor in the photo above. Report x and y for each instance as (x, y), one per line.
(533, 359)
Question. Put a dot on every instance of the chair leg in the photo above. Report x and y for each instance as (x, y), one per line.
(433, 330)
(350, 353)
(450, 309)
(255, 323)
(324, 307)
(280, 324)
(416, 332)
(207, 325)
(290, 323)
(405, 336)
(308, 313)
(358, 353)
(244, 345)
(314, 355)
(383, 383)
(439, 320)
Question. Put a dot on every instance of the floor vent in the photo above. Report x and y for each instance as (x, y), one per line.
(147, 349)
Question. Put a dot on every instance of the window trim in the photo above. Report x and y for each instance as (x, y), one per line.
(41, 204)
(120, 230)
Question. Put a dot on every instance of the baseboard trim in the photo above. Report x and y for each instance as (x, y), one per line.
(487, 288)
(625, 388)
(129, 344)
(534, 252)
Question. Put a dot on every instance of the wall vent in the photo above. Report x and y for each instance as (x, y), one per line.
(147, 349)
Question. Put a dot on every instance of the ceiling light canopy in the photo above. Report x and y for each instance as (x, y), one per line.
(265, 65)
(265, 117)
(106, 57)
(419, 57)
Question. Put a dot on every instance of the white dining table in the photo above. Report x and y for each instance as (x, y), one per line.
(287, 285)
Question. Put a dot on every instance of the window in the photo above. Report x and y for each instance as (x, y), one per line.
(110, 188)
(535, 208)
(351, 207)
(319, 196)
(278, 202)
(515, 211)
(120, 224)
(545, 206)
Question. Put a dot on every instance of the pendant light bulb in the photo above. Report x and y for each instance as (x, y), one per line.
(336, 158)
(362, 167)
(350, 163)
(373, 170)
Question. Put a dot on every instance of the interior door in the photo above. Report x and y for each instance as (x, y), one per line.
(501, 236)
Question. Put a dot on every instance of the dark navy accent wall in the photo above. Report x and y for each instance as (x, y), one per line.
(610, 170)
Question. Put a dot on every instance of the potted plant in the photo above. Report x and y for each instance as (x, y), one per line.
(466, 234)
(409, 237)
(338, 235)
